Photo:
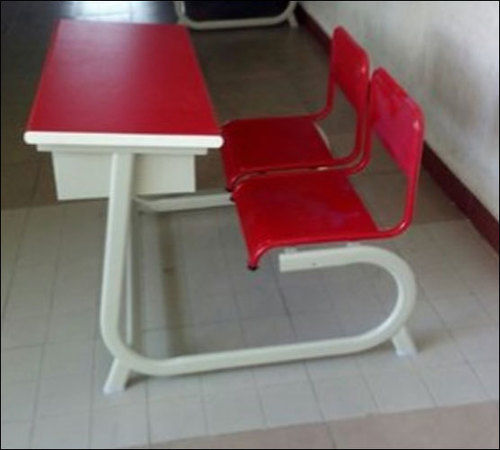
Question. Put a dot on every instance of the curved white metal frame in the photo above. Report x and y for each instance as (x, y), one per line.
(118, 272)
(287, 14)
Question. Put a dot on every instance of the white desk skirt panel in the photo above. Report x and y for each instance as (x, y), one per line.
(83, 172)
(87, 175)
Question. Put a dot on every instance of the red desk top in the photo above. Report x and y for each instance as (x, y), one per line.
(121, 78)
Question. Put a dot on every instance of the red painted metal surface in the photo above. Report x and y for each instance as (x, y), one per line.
(280, 143)
(259, 145)
(309, 207)
(122, 78)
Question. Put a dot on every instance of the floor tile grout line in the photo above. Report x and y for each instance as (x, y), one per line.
(340, 420)
(44, 344)
(148, 414)
(26, 215)
(486, 390)
(139, 239)
(315, 394)
(36, 182)
(373, 397)
(255, 387)
(465, 363)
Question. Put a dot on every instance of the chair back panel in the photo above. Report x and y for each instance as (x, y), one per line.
(350, 68)
(396, 119)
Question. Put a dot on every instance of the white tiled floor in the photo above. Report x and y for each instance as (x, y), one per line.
(54, 364)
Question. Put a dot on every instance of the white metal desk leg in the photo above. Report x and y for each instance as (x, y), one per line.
(130, 280)
(117, 235)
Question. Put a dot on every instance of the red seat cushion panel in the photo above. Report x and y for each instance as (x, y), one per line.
(300, 208)
(260, 145)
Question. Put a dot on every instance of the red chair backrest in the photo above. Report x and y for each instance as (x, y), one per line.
(350, 72)
(350, 68)
(397, 120)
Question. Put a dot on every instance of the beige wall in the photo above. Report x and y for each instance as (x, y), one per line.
(446, 55)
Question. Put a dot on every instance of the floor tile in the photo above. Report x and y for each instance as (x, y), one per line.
(31, 291)
(383, 357)
(233, 411)
(459, 427)
(21, 364)
(40, 243)
(488, 374)
(477, 343)
(309, 436)
(16, 435)
(69, 431)
(312, 326)
(398, 390)
(461, 311)
(177, 418)
(289, 403)
(119, 427)
(24, 331)
(76, 287)
(67, 358)
(45, 188)
(18, 184)
(341, 397)
(73, 326)
(18, 401)
(442, 281)
(304, 292)
(205, 442)
(161, 343)
(259, 301)
(166, 387)
(272, 330)
(64, 395)
(332, 367)
(436, 348)
(134, 394)
(219, 337)
(226, 380)
(280, 373)
(12, 227)
(453, 385)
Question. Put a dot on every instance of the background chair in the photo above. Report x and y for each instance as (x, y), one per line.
(283, 143)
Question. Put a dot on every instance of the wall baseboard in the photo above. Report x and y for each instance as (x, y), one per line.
(457, 192)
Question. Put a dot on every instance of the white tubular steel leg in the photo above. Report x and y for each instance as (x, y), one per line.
(404, 343)
(391, 328)
(208, 199)
(118, 243)
(130, 283)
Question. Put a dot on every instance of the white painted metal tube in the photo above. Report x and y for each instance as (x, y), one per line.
(126, 359)
(184, 19)
(392, 263)
(280, 353)
(185, 202)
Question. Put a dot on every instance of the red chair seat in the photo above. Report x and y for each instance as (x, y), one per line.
(261, 145)
(300, 208)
